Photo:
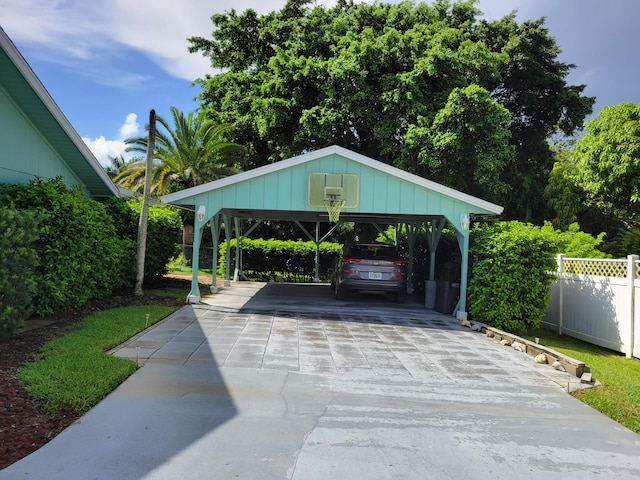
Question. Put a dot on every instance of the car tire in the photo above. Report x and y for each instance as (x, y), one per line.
(400, 297)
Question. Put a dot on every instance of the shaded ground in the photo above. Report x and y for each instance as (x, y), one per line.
(24, 425)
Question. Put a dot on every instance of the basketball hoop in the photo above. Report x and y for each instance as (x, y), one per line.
(334, 207)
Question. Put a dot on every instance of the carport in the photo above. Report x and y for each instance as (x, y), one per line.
(301, 188)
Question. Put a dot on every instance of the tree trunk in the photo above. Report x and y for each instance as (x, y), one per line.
(144, 214)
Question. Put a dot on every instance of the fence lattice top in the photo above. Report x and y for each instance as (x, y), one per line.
(598, 267)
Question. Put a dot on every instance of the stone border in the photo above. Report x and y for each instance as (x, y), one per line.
(558, 360)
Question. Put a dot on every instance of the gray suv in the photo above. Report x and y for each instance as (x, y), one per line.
(371, 267)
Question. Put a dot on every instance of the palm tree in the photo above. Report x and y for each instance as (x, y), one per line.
(193, 152)
(116, 165)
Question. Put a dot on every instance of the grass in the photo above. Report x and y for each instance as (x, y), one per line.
(74, 372)
(188, 271)
(619, 395)
(181, 265)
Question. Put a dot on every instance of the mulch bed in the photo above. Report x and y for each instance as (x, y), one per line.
(24, 425)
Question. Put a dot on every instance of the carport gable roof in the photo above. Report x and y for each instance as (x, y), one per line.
(280, 192)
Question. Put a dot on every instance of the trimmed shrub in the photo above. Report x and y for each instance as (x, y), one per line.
(80, 253)
(575, 243)
(510, 279)
(163, 233)
(281, 260)
(18, 233)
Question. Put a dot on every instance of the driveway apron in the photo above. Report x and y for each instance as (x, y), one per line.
(271, 381)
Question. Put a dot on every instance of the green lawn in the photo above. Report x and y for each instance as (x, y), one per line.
(619, 395)
(74, 372)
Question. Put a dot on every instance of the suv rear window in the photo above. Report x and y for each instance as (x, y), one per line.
(382, 252)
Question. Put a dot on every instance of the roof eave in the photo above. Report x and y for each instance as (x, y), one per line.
(30, 77)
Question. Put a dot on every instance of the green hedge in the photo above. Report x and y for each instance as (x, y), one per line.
(79, 252)
(18, 233)
(510, 283)
(163, 233)
(281, 260)
(84, 249)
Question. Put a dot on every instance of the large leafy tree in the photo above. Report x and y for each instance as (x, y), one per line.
(532, 86)
(192, 151)
(370, 76)
(565, 199)
(468, 133)
(608, 160)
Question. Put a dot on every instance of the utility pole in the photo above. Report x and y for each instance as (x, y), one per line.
(144, 214)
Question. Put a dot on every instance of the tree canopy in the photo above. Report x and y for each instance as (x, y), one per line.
(468, 133)
(608, 160)
(390, 81)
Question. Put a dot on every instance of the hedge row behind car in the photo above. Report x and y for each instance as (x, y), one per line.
(281, 260)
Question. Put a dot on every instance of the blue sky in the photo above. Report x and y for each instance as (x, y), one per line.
(106, 64)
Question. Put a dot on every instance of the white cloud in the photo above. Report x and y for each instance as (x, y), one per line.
(89, 37)
(104, 149)
(162, 32)
(130, 127)
(72, 28)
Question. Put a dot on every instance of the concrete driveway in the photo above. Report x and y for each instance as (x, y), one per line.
(284, 382)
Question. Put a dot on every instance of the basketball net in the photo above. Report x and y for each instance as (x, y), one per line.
(334, 207)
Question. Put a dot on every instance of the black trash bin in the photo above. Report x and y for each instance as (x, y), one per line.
(447, 294)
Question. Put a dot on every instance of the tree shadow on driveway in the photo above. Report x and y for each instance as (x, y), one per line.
(174, 400)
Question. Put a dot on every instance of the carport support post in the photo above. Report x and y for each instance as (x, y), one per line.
(434, 232)
(198, 227)
(412, 235)
(316, 277)
(463, 243)
(215, 236)
(227, 234)
(317, 240)
(236, 271)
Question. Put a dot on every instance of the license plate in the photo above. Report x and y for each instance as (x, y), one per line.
(375, 276)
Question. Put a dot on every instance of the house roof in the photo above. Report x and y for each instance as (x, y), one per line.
(279, 191)
(31, 97)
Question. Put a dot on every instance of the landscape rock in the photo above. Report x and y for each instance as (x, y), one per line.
(520, 347)
(541, 358)
(586, 378)
(558, 366)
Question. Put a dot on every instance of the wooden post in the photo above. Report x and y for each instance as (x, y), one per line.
(144, 214)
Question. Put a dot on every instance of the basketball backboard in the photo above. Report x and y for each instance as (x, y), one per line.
(333, 186)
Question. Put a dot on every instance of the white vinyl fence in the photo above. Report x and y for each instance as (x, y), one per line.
(597, 301)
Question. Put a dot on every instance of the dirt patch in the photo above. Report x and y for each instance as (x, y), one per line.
(25, 426)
